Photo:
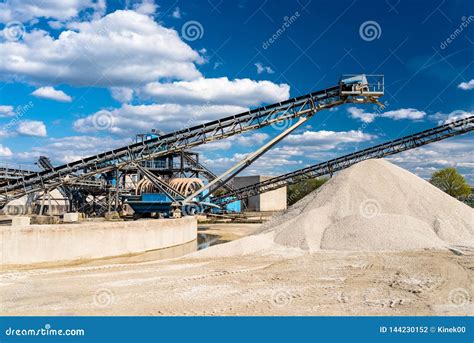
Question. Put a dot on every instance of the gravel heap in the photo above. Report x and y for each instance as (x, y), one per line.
(371, 206)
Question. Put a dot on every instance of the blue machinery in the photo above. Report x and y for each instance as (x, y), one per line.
(129, 159)
(150, 160)
(111, 178)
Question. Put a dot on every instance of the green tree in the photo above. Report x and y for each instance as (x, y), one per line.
(450, 181)
(299, 190)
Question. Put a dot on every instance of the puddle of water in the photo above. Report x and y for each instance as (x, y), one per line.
(203, 241)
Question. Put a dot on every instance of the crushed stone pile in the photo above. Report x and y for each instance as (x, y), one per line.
(371, 206)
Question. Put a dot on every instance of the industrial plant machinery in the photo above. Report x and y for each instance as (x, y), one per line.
(159, 173)
(436, 134)
(360, 89)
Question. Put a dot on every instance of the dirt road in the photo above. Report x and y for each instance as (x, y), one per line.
(327, 283)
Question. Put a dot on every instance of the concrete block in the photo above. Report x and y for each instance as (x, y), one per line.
(20, 221)
(112, 216)
(71, 217)
(44, 220)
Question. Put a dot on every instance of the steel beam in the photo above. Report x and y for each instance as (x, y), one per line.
(183, 139)
(396, 146)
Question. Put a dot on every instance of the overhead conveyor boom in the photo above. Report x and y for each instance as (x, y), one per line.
(396, 146)
(187, 138)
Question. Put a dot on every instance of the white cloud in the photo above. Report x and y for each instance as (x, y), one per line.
(72, 148)
(220, 145)
(446, 118)
(466, 85)
(186, 103)
(274, 162)
(120, 49)
(289, 154)
(357, 113)
(253, 140)
(52, 94)
(261, 68)
(5, 151)
(130, 119)
(147, 7)
(453, 152)
(26, 10)
(176, 13)
(32, 128)
(240, 92)
(55, 24)
(245, 140)
(122, 94)
(6, 111)
(402, 113)
(326, 140)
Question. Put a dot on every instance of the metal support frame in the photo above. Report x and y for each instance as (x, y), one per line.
(182, 139)
(162, 186)
(237, 168)
(396, 146)
(207, 173)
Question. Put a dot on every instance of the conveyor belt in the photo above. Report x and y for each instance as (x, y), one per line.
(306, 105)
(396, 146)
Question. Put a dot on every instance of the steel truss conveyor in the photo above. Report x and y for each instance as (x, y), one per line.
(396, 146)
(353, 89)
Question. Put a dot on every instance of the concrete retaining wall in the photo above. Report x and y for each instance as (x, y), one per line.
(90, 240)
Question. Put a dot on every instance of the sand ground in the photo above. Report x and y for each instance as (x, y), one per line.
(430, 282)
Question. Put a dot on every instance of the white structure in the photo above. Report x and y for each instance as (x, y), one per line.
(270, 201)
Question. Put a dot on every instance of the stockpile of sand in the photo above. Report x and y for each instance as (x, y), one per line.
(371, 206)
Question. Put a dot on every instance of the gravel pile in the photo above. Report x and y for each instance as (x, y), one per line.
(371, 206)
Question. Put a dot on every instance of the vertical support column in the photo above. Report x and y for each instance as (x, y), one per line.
(117, 187)
(50, 212)
(42, 203)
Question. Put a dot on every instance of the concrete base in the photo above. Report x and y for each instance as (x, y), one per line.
(112, 216)
(20, 221)
(91, 240)
(71, 217)
(44, 220)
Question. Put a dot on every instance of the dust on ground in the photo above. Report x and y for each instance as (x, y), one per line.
(325, 283)
(375, 240)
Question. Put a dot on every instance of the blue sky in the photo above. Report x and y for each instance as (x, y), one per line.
(84, 76)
